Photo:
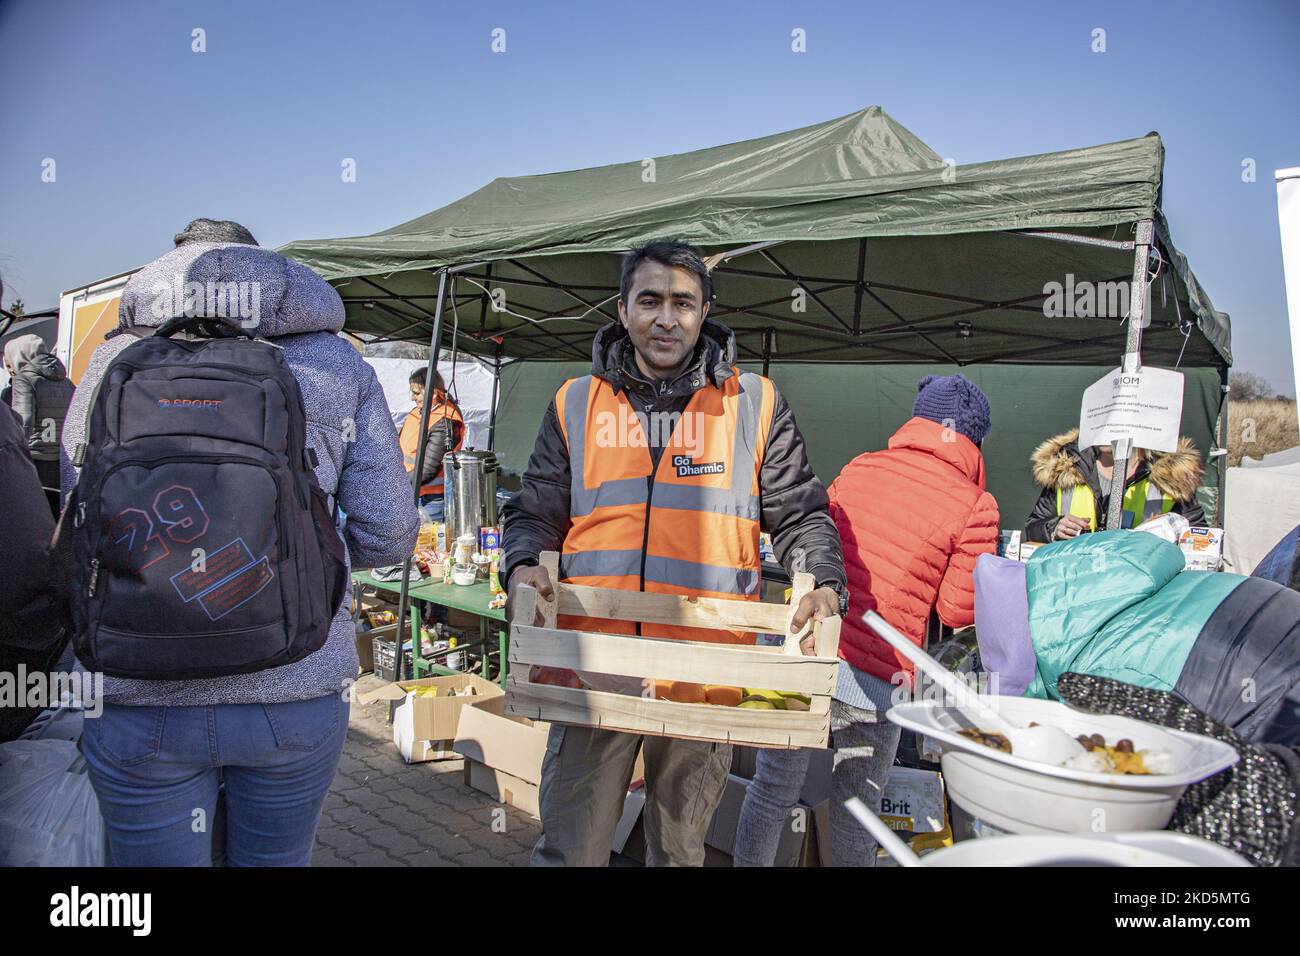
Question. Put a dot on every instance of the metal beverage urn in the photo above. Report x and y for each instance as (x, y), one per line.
(469, 492)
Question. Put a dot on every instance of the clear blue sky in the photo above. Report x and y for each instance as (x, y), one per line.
(147, 134)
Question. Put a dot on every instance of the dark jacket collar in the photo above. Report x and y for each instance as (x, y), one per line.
(613, 359)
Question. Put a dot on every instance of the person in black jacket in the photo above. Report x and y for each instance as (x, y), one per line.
(1075, 482)
(32, 634)
(656, 364)
(41, 395)
(446, 434)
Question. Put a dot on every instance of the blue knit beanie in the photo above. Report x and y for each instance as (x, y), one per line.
(953, 401)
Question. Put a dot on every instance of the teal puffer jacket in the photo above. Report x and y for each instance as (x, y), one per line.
(1117, 604)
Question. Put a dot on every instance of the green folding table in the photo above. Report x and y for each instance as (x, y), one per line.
(473, 599)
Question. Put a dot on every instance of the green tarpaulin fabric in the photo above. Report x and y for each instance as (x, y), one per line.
(839, 244)
(844, 410)
(879, 252)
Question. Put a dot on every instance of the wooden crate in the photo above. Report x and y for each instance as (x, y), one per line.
(782, 668)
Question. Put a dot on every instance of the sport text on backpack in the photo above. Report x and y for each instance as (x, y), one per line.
(201, 544)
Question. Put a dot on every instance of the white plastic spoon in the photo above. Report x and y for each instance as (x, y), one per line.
(1044, 743)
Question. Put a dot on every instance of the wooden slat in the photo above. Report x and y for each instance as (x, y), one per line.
(801, 584)
(550, 563)
(827, 641)
(767, 728)
(703, 663)
(673, 609)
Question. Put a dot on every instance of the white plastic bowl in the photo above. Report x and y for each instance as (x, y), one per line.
(1022, 796)
(1093, 849)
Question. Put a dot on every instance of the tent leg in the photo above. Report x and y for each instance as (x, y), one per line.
(496, 391)
(1137, 309)
(768, 335)
(1220, 507)
(403, 600)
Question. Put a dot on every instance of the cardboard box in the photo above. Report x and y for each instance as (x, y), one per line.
(816, 782)
(1202, 548)
(721, 834)
(424, 728)
(799, 844)
(503, 756)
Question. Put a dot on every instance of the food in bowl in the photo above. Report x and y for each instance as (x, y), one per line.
(1098, 756)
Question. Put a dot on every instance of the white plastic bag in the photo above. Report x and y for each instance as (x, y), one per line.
(48, 812)
(1168, 526)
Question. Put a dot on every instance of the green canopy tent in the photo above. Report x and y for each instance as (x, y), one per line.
(836, 246)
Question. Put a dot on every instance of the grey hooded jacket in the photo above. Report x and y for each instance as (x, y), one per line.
(41, 393)
(348, 425)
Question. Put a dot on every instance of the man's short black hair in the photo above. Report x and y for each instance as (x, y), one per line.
(418, 376)
(666, 252)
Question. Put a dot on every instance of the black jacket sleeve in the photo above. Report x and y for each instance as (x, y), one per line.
(794, 504)
(24, 405)
(443, 435)
(1192, 511)
(537, 518)
(1042, 520)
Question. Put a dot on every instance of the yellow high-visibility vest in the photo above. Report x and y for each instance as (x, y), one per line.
(1142, 502)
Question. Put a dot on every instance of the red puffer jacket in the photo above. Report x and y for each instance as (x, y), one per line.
(913, 518)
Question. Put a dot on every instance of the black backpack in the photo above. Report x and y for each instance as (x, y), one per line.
(201, 544)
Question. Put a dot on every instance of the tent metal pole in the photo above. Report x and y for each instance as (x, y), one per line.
(403, 600)
(483, 306)
(1121, 450)
(859, 287)
(496, 389)
(769, 334)
(801, 283)
(1222, 441)
(1121, 244)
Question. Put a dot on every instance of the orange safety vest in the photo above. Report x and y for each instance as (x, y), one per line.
(689, 526)
(409, 439)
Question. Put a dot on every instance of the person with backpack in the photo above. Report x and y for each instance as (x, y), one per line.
(446, 434)
(41, 393)
(210, 446)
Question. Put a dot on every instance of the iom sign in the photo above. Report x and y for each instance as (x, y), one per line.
(1145, 406)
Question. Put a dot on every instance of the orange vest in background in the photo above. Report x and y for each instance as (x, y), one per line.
(689, 526)
(409, 439)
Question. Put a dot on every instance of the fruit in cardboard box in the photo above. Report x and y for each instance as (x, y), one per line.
(684, 692)
(721, 695)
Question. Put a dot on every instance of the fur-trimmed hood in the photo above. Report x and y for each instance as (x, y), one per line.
(1058, 463)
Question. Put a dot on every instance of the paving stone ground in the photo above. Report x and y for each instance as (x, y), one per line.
(382, 811)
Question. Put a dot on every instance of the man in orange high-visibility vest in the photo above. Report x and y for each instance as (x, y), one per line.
(657, 472)
(446, 434)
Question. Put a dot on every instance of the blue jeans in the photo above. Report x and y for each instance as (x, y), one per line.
(156, 771)
(865, 745)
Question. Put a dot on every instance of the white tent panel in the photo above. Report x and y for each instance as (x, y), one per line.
(1263, 505)
(471, 386)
